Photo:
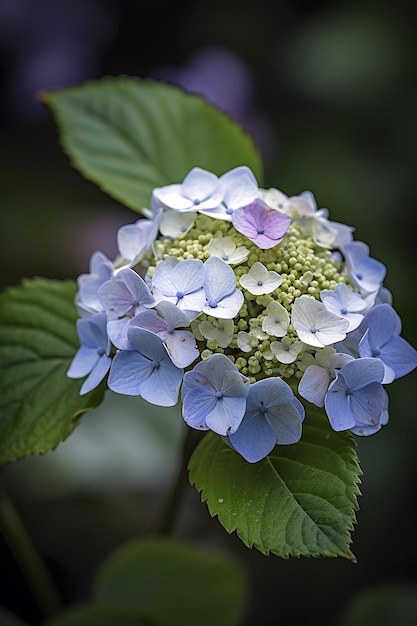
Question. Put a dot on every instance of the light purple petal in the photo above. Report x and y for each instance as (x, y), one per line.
(150, 320)
(125, 294)
(262, 225)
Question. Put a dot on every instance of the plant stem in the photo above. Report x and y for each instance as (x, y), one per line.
(28, 558)
(191, 439)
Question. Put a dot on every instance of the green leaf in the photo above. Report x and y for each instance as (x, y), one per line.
(130, 135)
(99, 615)
(298, 501)
(173, 583)
(39, 405)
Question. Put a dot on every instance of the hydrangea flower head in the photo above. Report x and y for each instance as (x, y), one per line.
(238, 297)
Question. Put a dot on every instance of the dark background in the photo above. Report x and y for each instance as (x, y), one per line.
(328, 90)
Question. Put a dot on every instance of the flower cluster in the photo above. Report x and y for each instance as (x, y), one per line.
(236, 298)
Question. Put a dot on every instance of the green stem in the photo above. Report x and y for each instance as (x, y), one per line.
(166, 525)
(28, 558)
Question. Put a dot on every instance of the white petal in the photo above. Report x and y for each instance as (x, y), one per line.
(176, 224)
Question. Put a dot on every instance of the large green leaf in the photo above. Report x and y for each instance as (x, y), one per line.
(39, 405)
(173, 583)
(130, 135)
(298, 501)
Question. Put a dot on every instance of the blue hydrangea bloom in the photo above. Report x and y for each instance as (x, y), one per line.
(240, 187)
(125, 294)
(101, 270)
(146, 370)
(356, 397)
(93, 356)
(134, 241)
(346, 303)
(180, 283)
(364, 430)
(365, 272)
(200, 189)
(273, 416)
(168, 325)
(381, 339)
(214, 395)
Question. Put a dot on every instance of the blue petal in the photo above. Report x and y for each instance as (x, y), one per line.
(214, 395)
(197, 403)
(162, 387)
(367, 404)
(147, 343)
(270, 392)
(92, 331)
(220, 279)
(399, 355)
(337, 406)
(254, 439)
(227, 415)
(98, 373)
(83, 362)
(361, 372)
(129, 370)
(383, 323)
(287, 423)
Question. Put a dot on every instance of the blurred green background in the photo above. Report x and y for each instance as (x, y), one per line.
(329, 92)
